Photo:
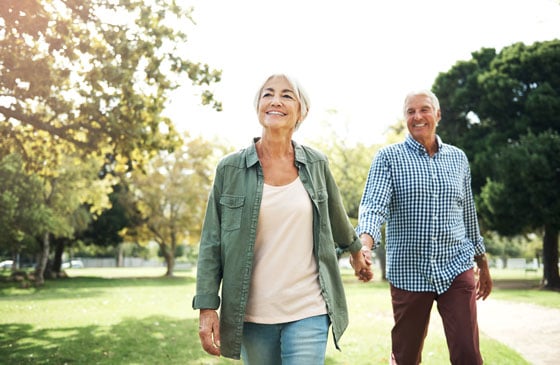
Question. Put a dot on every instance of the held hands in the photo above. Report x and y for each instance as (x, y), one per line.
(361, 261)
(209, 331)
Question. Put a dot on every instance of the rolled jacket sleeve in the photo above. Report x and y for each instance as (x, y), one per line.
(342, 230)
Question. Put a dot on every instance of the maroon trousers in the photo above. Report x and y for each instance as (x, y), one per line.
(457, 308)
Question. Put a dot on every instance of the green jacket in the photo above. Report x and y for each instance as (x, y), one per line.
(229, 231)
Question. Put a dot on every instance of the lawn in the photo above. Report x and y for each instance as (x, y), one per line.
(136, 316)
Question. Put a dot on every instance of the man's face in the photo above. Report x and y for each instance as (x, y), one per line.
(421, 119)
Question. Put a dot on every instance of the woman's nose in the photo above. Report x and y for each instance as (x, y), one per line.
(276, 100)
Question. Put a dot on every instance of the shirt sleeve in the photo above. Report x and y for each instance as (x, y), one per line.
(470, 218)
(374, 205)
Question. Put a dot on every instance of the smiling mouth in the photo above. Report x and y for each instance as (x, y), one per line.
(417, 125)
(275, 113)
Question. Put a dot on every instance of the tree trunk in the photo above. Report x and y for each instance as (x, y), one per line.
(57, 260)
(120, 255)
(550, 258)
(169, 256)
(42, 262)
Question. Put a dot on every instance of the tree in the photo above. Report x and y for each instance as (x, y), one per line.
(70, 192)
(503, 109)
(171, 196)
(92, 75)
(528, 195)
(23, 216)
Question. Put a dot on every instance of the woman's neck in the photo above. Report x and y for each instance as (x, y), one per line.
(275, 147)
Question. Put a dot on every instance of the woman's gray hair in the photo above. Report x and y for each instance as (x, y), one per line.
(300, 92)
(423, 92)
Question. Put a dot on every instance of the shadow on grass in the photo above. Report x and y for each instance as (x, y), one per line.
(152, 340)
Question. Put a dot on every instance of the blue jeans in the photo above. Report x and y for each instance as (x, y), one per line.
(291, 343)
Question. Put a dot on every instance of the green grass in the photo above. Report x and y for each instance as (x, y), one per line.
(136, 316)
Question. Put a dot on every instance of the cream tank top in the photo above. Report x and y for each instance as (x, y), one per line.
(285, 280)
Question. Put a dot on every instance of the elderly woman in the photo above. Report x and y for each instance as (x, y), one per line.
(272, 224)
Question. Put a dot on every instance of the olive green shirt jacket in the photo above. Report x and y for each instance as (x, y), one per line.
(229, 231)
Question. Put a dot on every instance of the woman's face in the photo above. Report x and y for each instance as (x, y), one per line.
(278, 107)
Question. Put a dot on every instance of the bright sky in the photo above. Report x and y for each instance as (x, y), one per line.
(357, 57)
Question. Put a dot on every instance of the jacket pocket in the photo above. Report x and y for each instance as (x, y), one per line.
(232, 209)
(322, 201)
(322, 196)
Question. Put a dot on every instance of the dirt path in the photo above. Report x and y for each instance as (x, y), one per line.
(533, 331)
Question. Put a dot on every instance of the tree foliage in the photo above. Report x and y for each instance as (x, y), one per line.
(105, 229)
(503, 109)
(349, 163)
(92, 75)
(527, 176)
(23, 217)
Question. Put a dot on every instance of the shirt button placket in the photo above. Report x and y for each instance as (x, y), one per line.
(433, 223)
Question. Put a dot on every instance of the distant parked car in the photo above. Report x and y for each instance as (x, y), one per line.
(73, 264)
(6, 264)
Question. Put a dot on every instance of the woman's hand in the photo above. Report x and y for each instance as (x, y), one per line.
(209, 331)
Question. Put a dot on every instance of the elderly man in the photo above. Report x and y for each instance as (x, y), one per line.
(422, 189)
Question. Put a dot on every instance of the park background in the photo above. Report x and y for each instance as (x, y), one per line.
(113, 115)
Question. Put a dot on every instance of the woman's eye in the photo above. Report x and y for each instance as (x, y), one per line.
(288, 96)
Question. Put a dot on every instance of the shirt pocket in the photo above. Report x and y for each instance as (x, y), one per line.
(232, 209)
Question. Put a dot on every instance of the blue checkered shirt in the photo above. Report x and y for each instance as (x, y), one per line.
(432, 230)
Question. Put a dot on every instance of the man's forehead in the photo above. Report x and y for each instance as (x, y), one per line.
(418, 101)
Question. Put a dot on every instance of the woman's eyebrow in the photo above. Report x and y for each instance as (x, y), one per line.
(271, 89)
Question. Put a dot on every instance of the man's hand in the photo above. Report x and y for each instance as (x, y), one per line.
(484, 282)
(209, 331)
